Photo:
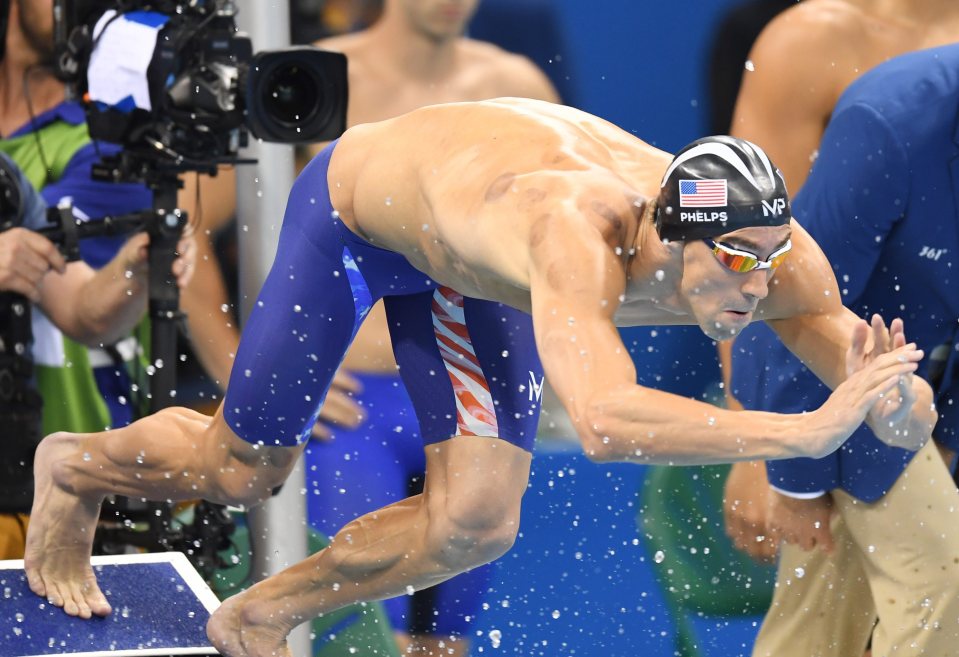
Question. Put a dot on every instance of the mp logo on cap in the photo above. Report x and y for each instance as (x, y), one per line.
(774, 208)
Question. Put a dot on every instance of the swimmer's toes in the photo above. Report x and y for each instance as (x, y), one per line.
(67, 600)
(97, 603)
(35, 582)
(84, 609)
(54, 596)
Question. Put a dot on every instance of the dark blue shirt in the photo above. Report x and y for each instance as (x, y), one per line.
(91, 199)
(882, 203)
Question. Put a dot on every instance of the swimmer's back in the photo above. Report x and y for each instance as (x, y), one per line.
(446, 182)
(528, 135)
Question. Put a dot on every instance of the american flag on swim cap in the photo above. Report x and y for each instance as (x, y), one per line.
(702, 193)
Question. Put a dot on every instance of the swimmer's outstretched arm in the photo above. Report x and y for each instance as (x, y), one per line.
(833, 342)
(575, 287)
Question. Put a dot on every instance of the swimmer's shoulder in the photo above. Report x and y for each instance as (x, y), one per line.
(343, 43)
(807, 53)
(357, 47)
(830, 27)
(508, 73)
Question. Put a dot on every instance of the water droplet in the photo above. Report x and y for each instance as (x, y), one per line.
(660, 274)
(800, 572)
(86, 456)
(659, 557)
(389, 200)
(750, 66)
(556, 613)
(505, 354)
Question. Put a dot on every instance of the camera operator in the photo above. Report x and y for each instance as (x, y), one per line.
(93, 307)
(82, 375)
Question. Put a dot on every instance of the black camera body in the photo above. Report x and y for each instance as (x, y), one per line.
(207, 87)
(20, 403)
(11, 201)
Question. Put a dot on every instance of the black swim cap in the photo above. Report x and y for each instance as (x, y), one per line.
(716, 185)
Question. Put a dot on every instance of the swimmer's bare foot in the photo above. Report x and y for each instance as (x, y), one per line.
(237, 629)
(60, 534)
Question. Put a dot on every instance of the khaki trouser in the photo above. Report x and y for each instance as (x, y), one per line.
(895, 568)
(13, 535)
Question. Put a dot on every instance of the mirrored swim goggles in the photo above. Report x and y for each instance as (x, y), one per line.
(741, 261)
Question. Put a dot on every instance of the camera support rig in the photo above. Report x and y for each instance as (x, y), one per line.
(164, 224)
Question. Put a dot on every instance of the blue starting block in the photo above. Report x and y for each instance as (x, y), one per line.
(160, 608)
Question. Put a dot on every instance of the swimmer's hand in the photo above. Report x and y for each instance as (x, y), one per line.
(340, 408)
(805, 523)
(745, 503)
(877, 378)
(896, 419)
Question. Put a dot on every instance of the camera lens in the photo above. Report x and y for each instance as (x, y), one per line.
(296, 95)
(292, 95)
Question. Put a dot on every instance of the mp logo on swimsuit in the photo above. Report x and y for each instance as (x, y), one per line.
(775, 207)
(536, 389)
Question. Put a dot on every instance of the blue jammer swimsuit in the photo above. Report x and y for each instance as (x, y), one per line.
(470, 365)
